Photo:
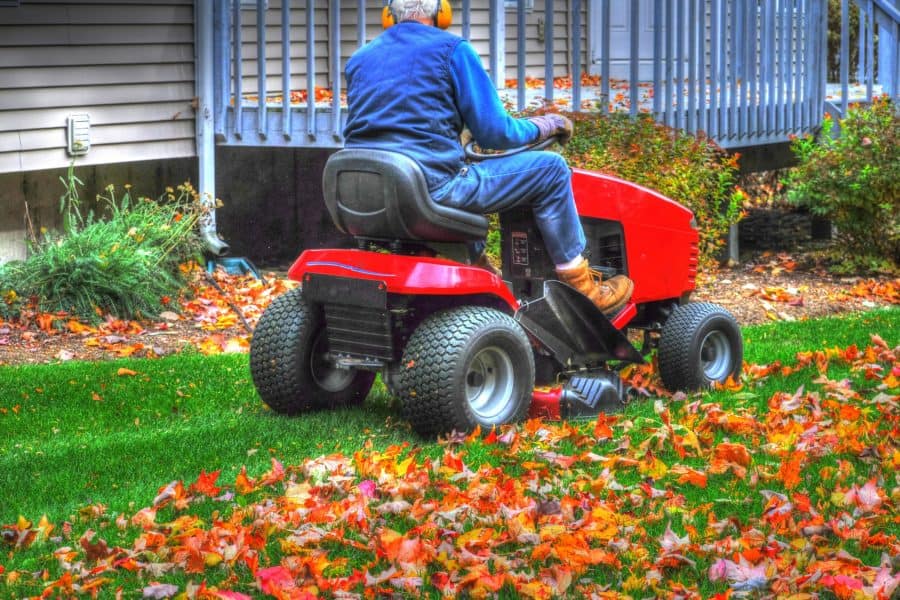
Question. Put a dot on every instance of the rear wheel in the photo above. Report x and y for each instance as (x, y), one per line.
(465, 367)
(700, 344)
(289, 365)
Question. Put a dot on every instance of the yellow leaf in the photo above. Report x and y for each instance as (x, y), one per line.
(652, 466)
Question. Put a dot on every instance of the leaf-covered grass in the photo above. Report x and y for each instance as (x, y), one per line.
(80, 435)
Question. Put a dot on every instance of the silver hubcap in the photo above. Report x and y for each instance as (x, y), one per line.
(324, 373)
(489, 384)
(715, 356)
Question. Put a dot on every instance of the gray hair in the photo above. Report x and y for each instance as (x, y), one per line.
(405, 10)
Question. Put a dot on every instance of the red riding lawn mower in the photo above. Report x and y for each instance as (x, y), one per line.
(463, 347)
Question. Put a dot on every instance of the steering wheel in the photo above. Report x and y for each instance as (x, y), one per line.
(471, 154)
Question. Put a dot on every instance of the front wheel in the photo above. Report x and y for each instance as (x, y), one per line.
(700, 345)
(466, 367)
(289, 365)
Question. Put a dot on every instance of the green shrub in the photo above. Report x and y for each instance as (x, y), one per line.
(854, 180)
(126, 264)
(690, 170)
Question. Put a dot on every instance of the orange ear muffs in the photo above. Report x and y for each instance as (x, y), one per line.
(387, 17)
(444, 16)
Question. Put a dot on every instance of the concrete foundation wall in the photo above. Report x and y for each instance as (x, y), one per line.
(272, 198)
(30, 200)
(273, 206)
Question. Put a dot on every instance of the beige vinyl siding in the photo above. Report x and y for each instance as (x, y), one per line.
(479, 35)
(127, 64)
(534, 46)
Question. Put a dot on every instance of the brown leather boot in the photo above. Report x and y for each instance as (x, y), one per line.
(609, 296)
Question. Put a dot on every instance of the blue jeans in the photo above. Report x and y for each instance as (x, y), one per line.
(539, 179)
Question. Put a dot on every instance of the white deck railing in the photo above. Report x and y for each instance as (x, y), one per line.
(745, 72)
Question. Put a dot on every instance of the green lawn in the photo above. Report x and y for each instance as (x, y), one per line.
(80, 433)
(77, 434)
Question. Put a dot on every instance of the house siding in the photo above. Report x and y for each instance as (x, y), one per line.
(129, 65)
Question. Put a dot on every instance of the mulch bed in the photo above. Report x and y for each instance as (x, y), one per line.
(766, 287)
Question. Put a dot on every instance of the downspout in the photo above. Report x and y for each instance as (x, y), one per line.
(206, 145)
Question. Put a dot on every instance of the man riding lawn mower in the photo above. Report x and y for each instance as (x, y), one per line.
(457, 343)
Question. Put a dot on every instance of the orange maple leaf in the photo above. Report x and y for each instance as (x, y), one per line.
(728, 456)
(789, 471)
(206, 484)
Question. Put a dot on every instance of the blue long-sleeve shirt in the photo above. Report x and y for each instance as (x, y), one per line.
(413, 88)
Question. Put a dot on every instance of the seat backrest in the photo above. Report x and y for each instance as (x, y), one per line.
(383, 195)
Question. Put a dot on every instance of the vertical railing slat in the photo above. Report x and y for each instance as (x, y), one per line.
(671, 57)
(799, 66)
(467, 19)
(520, 55)
(733, 39)
(634, 57)
(262, 122)
(702, 97)
(576, 54)
(779, 69)
(870, 49)
(604, 61)
(238, 80)
(657, 56)
(768, 71)
(334, 52)
(693, 24)
(285, 69)
(715, 80)
(808, 64)
(860, 45)
(845, 55)
(787, 74)
(361, 24)
(548, 52)
(821, 72)
(311, 69)
(895, 80)
(753, 75)
(497, 43)
(221, 58)
(723, 69)
(742, 68)
(679, 65)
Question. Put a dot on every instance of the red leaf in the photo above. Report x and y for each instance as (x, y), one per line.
(274, 580)
(206, 484)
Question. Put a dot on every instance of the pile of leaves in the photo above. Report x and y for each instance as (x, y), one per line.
(795, 494)
(126, 262)
(214, 314)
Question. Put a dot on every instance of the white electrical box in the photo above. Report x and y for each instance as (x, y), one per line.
(78, 134)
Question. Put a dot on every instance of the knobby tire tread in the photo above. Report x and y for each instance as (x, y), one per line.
(279, 355)
(678, 368)
(429, 369)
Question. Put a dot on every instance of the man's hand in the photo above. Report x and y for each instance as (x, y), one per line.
(553, 124)
(465, 136)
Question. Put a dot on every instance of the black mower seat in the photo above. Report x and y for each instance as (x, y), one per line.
(382, 195)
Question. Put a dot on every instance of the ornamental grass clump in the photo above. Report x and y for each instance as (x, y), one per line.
(854, 181)
(126, 263)
(690, 170)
